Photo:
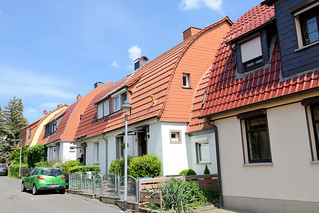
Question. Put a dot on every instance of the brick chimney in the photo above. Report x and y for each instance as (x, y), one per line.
(78, 97)
(97, 84)
(59, 105)
(190, 32)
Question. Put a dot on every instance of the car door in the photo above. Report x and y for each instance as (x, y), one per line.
(27, 180)
(33, 177)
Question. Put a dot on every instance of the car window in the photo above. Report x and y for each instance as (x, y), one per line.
(2, 166)
(32, 172)
(51, 172)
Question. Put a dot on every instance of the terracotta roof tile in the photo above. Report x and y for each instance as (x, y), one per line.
(226, 93)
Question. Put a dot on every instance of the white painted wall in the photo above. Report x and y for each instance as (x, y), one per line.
(191, 153)
(292, 175)
(174, 155)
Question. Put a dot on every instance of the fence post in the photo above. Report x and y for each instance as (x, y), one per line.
(118, 186)
(102, 184)
(94, 186)
(137, 190)
(81, 182)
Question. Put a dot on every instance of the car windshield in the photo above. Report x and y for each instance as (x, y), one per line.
(51, 172)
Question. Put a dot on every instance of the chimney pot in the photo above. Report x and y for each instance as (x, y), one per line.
(190, 32)
(97, 84)
(78, 97)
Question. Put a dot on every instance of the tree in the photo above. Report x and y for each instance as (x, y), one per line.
(12, 122)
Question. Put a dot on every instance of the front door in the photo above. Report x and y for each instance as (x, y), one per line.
(142, 142)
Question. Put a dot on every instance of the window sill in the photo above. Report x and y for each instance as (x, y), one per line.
(257, 164)
(315, 162)
(204, 163)
(307, 46)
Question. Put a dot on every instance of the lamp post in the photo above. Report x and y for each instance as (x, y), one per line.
(125, 106)
(20, 143)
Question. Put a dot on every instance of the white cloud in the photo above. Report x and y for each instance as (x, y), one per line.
(134, 52)
(49, 105)
(115, 64)
(195, 4)
(31, 111)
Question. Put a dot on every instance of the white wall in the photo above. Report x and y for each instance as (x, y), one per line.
(292, 176)
(191, 153)
(174, 156)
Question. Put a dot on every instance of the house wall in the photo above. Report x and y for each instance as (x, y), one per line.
(67, 154)
(174, 156)
(292, 61)
(192, 157)
(289, 184)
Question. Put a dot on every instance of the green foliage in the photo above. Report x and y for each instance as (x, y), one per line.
(180, 195)
(145, 166)
(12, 122)
(206, 170)
(70, 164)
(187, 172)
(117, 166)
(36, 154)
(43, 164)
(14, 170)
(15, 155)
(212, 195)
(88, 168)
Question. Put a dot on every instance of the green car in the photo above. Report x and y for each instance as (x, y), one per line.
(41, 179)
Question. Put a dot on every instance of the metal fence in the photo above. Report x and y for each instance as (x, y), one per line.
(104, 184)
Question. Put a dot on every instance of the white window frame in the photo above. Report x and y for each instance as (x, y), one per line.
(299, 27)
(96, 150)
(175, 136)
(198, 145)
(187, 80)
(312, 134)
(100, 111)
(251, 51)
(119, 99)
(106, 108)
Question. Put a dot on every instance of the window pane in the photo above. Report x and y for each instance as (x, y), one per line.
(315, 110)
(204, 153)
(312, 30)
(106, 108)
(251, 49)
(253, 144)
(264, 145)
(124, 97)
(100, 111)
(117, 103)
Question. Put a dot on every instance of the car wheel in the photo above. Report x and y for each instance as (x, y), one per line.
(34, 190)
(22, 187)
(62, 191)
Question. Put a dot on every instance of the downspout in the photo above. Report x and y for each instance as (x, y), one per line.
(107, 153)
(219, 175)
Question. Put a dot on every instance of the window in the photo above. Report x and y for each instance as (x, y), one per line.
(202, 152)
(99, 111)
(51, 127)
(315, 122)
(119, 100)
(30, 133)
(307, 24)
(96, 152)
(175, 137)
(106, 108)
(186, 81)
(119, 147)
(255, 136)
(251, 53)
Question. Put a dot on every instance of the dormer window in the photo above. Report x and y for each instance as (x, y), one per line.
(99, 111)
(103, 109)
(307, 25)
(119, 99)
(186, 80)
(251, 53)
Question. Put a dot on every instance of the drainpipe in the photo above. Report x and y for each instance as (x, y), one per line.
(219, 175)
(107, 153)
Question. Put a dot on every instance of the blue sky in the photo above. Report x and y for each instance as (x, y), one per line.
(52, 50)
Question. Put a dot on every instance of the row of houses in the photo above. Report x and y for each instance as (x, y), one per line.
(241, 98)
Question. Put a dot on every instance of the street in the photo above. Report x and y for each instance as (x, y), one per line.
(12, 200)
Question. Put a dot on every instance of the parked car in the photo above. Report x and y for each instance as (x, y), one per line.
(46, 178)
(3, 169)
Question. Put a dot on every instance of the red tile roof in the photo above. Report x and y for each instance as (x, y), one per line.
(162, 78)
(225, 92)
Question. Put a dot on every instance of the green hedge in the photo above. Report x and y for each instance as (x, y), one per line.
(36, 154)
(145, 166)
(70, 164)
(88, 168)
(187, 172)
(14, 170)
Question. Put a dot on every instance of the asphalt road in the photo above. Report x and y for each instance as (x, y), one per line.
(12, 200)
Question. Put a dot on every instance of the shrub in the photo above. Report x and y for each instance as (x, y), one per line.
(179, 195)
(15, 155)
(212, 195)
(36, 154)
(187, 172)
(14, 170)
(44, 164)
(70, 164)
(206, 171)
(117, 166)
(145, 166)
(88, 168)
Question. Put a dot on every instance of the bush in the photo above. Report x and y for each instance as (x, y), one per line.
(187, 172)
(70, 164)
(145, 166)
(206, 171)
(212, 195)
(36, 154)
(14, 170)
(117, 166)
(179, 195)
(88, 168)
(44, 164)
(15, 155)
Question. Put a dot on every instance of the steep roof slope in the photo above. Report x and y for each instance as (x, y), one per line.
(71, 119)
(225, 92)
(32, 127)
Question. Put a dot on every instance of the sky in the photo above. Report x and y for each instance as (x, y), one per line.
(53, 50)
